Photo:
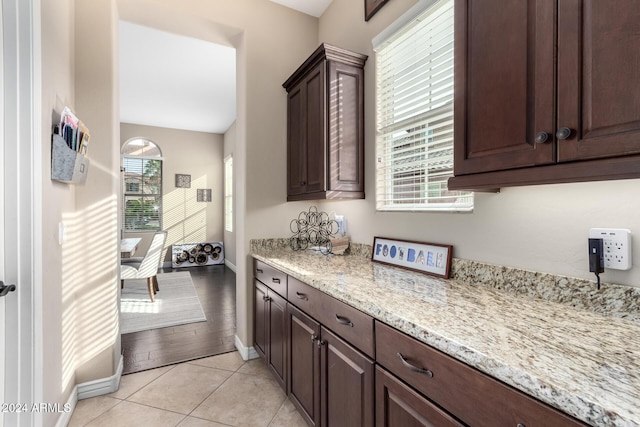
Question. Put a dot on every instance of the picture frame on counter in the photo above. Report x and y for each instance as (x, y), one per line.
(428, 258)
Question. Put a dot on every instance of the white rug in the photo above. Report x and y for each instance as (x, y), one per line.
(176, 303)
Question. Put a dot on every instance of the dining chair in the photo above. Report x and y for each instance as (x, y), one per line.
(147, 268)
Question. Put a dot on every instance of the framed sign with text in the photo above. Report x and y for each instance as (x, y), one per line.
(429, 258)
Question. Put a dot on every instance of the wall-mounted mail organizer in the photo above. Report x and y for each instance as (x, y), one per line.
(69, 143)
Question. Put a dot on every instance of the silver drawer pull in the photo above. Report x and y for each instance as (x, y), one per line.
(275, 280)
(344, 321)
(302, 296)
(414, 368)
(259, 271)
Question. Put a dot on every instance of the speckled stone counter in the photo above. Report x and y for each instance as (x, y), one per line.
(577, 359)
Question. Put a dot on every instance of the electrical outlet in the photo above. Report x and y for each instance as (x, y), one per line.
(617, 246)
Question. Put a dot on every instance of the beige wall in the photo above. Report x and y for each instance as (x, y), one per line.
(230, 236)
(200, 155)
(81, 338)
(58, 289)
(95, 219)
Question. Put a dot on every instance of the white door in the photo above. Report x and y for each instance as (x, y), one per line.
(3, 322)
(19, 174)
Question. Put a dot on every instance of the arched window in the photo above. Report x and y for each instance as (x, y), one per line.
(142, 204)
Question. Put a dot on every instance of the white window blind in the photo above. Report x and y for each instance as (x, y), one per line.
(414, 101)
(228, 193)
(142, 202)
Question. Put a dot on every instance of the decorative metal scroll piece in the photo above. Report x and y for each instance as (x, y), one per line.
(313, 228)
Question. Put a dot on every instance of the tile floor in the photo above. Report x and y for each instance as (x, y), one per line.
(216, 391)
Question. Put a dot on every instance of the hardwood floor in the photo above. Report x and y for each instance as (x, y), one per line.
(216, 288)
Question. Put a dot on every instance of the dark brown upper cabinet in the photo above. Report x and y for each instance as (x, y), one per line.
(546, 92)
(325, 128)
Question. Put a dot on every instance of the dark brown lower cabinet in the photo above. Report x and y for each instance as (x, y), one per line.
(271, 331)
(347, 393)
(330, 382)
(322, 351)
(304, 365)
(398, 405)
(259, 324)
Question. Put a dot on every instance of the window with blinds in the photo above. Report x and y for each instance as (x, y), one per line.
(414, 103)
(228, 193)
(142, 204)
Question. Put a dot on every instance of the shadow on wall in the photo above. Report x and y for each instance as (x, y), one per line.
(89, 284)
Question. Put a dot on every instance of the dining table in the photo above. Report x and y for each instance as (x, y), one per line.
(128, 246)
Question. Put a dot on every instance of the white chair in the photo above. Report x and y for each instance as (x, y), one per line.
(147, 268)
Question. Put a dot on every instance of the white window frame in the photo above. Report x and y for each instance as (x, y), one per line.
(228, 193)
(414, 125)
(126, 193)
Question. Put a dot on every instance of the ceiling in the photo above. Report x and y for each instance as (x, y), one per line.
(187, 83)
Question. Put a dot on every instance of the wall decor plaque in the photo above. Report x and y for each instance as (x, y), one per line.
(429, 258)
(371, 7)
(183, 180)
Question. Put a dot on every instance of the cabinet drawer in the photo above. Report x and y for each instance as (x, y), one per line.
(473, 397)
(397, 405)
(351, 324)
(271, 277)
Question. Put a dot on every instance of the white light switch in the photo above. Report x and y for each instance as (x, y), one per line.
(62, 233)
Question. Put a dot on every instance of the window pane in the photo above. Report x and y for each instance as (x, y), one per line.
(414, 101)
(142, 212)
(142, 202)
(141, 147)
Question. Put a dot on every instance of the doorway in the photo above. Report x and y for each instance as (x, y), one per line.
(216, 289)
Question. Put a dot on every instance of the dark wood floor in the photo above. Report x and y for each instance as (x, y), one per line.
(216, 288)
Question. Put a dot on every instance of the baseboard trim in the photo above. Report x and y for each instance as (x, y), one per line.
(101, 386)
(247, 353)
(88, 390)
(69, 407)
(229, 264)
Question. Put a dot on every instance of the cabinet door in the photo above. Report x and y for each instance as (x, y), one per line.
(347, 392)
(598, 78)
(296, 163)
(259, 318)
(315, 129)
(304, 365)
(504, 84)
(346, 127)
(397, 405)
(277, 337)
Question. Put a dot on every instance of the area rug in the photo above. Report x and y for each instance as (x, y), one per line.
(176, 303)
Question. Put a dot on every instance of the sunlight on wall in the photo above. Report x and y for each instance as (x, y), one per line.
(184, 218)
(89, 284)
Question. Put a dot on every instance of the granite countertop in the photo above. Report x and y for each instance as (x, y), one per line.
(583, 363)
